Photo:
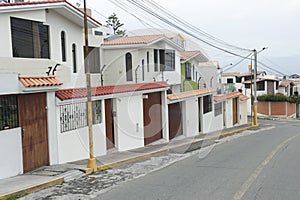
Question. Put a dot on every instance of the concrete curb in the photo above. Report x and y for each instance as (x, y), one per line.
(193, 146)
(33, 188)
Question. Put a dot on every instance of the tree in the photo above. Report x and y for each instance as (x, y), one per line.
(114, 23)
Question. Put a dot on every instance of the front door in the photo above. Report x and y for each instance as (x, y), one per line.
(175, 120)
(234, 111)
(152, 117)
(109, 123)
(33, 121)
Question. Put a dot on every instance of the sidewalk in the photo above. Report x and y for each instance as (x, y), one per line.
(52, 175)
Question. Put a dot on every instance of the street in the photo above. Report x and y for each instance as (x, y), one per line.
(256, 164)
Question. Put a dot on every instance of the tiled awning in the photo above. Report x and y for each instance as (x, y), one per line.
(39, 81)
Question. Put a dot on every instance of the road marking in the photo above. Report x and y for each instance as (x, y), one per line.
(239, 195)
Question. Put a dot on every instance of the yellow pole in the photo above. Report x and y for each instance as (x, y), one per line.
(91, 161)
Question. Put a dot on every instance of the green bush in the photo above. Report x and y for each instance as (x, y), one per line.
(280, 98)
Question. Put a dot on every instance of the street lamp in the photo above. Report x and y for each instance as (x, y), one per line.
(255, 121)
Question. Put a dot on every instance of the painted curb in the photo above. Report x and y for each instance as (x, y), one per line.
(33, 188)
(156, 153)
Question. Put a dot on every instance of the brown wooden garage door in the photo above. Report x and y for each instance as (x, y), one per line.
(152, 117)
(175, 120)
(33, 121)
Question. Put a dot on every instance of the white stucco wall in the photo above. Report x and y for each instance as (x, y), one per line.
(9, 83)
(129, 126)
(74, 145)
(208, 122)
(243, 112)
(52, 128)
(209, 77)
(11, 153)
(228, 118)
(190, 119)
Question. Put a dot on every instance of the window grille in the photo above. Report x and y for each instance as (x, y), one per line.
(8, 112)
(74, 116)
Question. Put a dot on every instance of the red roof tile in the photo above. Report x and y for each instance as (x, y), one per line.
(227, 96)
(46, 2)
(73, 93)
(186, 55)
(39, 81)
(130, 40)
(285, 83)
(244, 97)
(183, 95)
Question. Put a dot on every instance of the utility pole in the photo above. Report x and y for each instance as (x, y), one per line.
(91, 161)
(255, 121)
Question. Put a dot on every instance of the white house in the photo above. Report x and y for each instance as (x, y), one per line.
(126, 116)
(286, 87)
(46, 38)
(39, 40)
(234, 81)
(234, 107)
(191, 113)
(190, 72)
(138, 59)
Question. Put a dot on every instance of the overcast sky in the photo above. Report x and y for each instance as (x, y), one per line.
(247, 24)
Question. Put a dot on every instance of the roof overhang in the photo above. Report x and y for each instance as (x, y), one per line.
(64, 8)
(189, 95)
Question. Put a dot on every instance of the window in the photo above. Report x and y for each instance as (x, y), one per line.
(238, 79)
(207, 104)
(166, 60)
(247, 78)
(155, 60)
(129, 76)
(218, 109)
(230, 80)
(74, 56)
(30, 39)
(63, 46)
(94, 59)
(247, 86)
(97, 112)
(74, 116)
(143, 70)
(8, 112)
(169, 60)
(188, 71)
(148, 61)
(193, 72)
(260, 86)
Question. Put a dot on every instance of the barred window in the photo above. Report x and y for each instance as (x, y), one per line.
(8, 112)
(97, 112)
(74, 116)
(207, 104)
(218, 109)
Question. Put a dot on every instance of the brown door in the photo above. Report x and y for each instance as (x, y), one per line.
(33, 121)
(152, 118)
(109, 123)
(234, 111)
(175, 120)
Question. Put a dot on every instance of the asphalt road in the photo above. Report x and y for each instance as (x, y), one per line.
(260, 166)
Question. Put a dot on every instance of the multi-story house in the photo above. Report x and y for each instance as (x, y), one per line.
(138, 59)
(41, 49)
